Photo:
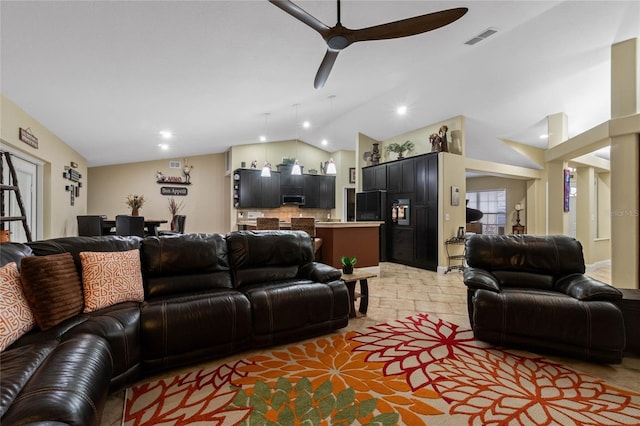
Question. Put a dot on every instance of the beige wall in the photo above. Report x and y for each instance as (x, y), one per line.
(308, 156)
(205, 205)
(420, 139)
(450, 173)
(59, 217)
(344, 160)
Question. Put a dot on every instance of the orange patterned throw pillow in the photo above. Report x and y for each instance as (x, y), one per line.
(111, 277)
(16, 317)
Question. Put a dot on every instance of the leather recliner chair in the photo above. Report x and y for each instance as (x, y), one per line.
(531, 292)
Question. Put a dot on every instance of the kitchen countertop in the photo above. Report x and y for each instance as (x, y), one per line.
(362, 224)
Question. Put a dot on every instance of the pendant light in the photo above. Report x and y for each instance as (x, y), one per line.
(295, 170)
(331, 167)
(266, 169)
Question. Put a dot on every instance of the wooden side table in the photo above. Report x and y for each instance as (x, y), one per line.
(350, 280)
(630, 307)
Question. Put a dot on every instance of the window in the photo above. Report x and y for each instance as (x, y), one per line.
(493, 205)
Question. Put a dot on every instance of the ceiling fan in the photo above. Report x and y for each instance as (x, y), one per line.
(339, 37)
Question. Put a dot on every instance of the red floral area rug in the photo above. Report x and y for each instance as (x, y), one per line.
(415, 371)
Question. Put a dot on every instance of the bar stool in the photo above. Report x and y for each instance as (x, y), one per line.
(267, 223)
(308, 225)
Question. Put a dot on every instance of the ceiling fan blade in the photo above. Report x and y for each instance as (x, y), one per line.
(410, 26)
(325, 68)
(301, 15)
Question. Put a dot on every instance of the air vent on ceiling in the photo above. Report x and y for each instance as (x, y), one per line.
(483, 35)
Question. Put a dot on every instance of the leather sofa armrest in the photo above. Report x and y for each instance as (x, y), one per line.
(476, 278)
(583, 287)
(319, 272)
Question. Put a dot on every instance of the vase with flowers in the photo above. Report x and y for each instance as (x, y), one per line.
(174, 209)
(135, 202)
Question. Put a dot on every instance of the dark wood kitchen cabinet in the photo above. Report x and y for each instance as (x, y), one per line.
(415, 179)
(426, 211)
(251, 190)
(290, 184)
(401, 176)
(374, 178)
(319, 191)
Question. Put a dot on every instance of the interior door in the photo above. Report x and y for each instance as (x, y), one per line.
(26, 173)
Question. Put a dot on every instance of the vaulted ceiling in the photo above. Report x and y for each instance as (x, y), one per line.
(107, 76)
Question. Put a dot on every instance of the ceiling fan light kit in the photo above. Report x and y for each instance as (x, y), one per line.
(339, 37)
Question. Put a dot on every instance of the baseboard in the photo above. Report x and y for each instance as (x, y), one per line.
(441, 269)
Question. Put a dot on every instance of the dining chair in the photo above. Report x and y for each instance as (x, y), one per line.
(91, 225)
(308, 225)
(130, 225)
(266, 223)
(178, 225)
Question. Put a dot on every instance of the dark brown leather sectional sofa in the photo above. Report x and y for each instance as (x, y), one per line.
(206, 296)
(528, 291)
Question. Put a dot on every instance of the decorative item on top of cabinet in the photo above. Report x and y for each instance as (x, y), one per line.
(375, 154)
(400, 149)
(439, 141)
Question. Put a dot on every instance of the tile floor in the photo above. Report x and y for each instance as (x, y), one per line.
(400, 291)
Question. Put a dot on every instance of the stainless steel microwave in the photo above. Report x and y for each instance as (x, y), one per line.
(293, 199)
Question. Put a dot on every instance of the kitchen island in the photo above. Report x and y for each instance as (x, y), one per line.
(359, 239)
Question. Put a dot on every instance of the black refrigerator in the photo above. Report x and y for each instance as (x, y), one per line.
(372, 205)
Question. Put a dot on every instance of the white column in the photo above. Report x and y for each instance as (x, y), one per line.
(625, 154)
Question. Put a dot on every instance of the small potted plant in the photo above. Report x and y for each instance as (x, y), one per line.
(347, 264)
(135, 202)
(400, 149)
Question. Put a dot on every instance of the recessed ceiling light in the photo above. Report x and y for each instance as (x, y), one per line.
(325, 142)
(163, 146)
(263, 138)
(401, 110)
(166, 134)
(545, 136)
(306, 124)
